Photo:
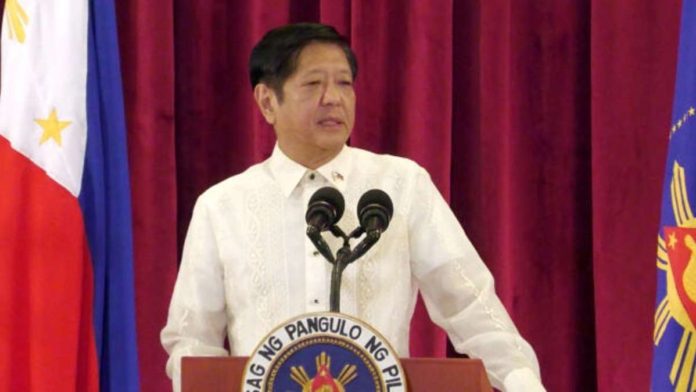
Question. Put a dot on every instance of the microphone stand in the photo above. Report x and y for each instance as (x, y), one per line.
(345, 256)
(342, 261)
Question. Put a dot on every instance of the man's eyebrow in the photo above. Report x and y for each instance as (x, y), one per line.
(312, 71)
(321, 71)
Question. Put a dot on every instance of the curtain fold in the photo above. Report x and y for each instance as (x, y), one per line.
(146, 39)
(634, 57)
(534, 209)
(543, 122)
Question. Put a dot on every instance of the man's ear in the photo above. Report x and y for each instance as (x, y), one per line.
(266, 100)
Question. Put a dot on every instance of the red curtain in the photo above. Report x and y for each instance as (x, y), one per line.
(633, 65)
(544, 122)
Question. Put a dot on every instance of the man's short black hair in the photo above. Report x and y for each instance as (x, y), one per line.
(274, 58)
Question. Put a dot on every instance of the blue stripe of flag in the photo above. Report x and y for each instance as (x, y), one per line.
(105, 202)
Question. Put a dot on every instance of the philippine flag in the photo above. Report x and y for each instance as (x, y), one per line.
(67, 320)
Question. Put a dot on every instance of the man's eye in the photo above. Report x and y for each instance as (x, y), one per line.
(312, 83)
(346, 82)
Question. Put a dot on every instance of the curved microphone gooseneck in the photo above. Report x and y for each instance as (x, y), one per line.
(324, 210)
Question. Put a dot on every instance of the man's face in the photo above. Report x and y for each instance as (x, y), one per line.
(317, 112)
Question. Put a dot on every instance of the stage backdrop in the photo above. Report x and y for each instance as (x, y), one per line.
(544, 122)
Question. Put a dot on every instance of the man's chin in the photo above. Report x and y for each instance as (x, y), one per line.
(338, 128)
(330, 136)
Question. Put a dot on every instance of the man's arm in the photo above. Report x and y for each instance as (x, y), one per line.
(197, 318)
(459, 293)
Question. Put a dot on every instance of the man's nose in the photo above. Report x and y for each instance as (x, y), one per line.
(332, 94)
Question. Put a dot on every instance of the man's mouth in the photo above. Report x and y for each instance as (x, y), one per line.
(330, 121)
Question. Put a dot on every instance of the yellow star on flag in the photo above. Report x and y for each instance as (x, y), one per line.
(672, 241)
(692, 111)
(52, 127)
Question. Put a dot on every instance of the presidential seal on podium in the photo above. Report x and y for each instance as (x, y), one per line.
(323, 352)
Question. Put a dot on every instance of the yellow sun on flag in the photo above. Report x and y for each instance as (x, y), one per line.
(16, 19)
(52, 127)
(671, 306)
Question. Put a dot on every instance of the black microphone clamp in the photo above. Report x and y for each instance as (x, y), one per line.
(314, 235)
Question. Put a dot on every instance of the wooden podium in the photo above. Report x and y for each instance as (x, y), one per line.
(212, 374)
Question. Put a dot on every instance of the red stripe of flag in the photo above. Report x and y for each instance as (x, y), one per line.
(45, 283)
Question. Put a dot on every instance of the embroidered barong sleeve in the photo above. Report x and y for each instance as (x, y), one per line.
(459, 294)
(197, 317)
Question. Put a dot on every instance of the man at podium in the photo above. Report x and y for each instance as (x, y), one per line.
(247, 265)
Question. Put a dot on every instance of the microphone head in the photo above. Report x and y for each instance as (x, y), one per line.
(325, 208)
(375, 203)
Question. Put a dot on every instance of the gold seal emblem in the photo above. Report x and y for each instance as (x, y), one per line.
(676, 256)
(323, 381)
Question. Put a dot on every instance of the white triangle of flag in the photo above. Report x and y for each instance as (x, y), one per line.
(43, 87)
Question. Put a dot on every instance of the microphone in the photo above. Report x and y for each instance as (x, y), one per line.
(375, 210)
(325, 209)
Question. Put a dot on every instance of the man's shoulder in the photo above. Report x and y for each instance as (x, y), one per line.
(386, 162)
